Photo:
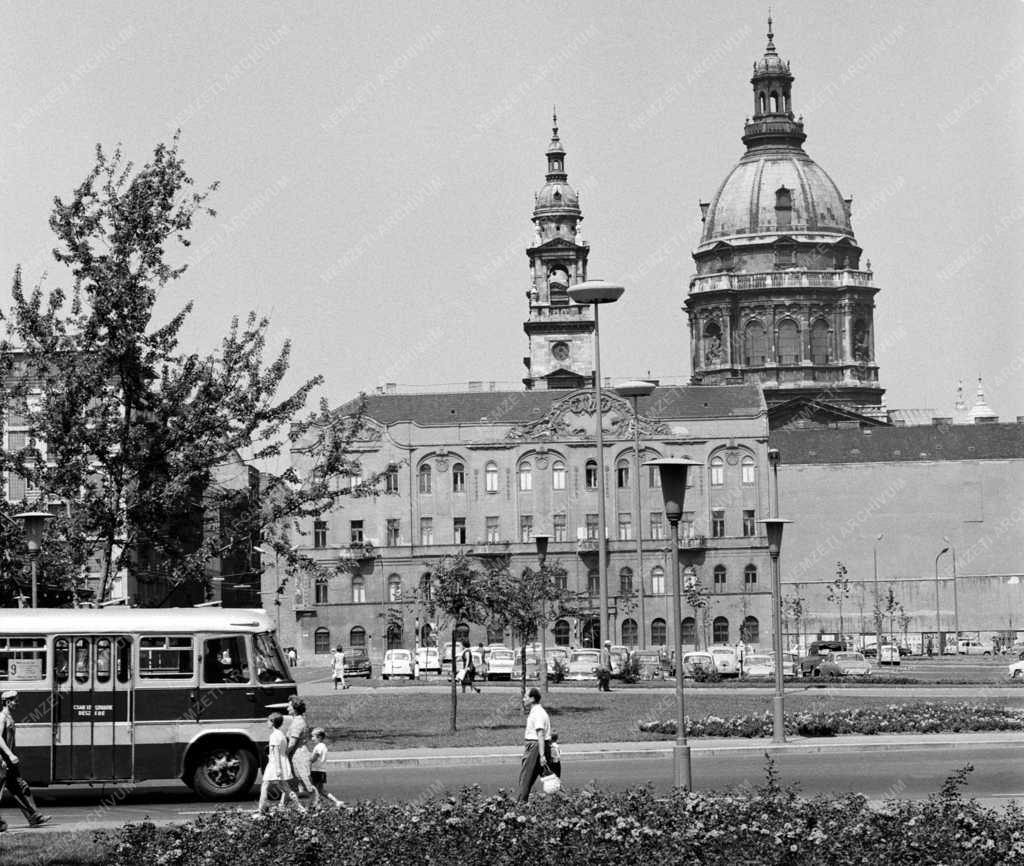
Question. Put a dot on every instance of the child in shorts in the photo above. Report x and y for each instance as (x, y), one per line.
(318, 768)
(555, 756)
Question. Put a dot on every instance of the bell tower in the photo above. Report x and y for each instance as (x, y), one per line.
(560, 332)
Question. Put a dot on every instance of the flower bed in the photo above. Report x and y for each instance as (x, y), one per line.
(916, 718)
(767, 825)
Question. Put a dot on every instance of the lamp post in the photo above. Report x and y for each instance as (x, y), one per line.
(599, 292)
(773, 529)
(34, 522)
(541, 542)
(878, 608)
(956, 603)
(636, 390)
(938, 620)
(774, 459)
(673, 488)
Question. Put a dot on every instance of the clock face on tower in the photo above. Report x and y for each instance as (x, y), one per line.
(560, 351)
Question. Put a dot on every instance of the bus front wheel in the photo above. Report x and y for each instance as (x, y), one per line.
(223, 770)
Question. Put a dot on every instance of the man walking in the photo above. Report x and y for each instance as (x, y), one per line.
(10, 772)
(537, 746)
(604, 671)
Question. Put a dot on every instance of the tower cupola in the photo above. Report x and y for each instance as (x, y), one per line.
(772, 121)
(556, 210)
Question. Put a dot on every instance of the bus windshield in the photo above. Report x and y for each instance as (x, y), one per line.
(270, 663)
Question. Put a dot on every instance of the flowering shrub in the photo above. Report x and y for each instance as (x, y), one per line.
(920, 718)
(765, 825)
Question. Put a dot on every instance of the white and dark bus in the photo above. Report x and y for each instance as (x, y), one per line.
(124, 695)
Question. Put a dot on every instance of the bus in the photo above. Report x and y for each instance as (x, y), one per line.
(124, 695)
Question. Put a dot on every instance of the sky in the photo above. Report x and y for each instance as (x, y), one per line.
(377, 165)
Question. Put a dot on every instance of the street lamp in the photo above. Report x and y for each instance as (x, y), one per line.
(956, 603)
(34, 522)
(673, 488)
(938, 620)
(541, 542)
(636, 390)
(773, 527)
(774, 459)
(599, 292)
(878, 608)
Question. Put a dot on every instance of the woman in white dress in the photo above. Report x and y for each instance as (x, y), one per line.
(278, 772)
(338, 668)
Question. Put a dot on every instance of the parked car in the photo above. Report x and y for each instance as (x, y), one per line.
(790, 664)
(397, 663)
(559, 653)
(428, 660)
(757, 666)
(976, 647)
(583, 664)
(1016, 672)
(698, 660)
(501, 664)
(357, 664)
(818, 651)
(727, 661)
(619, 655)
(653, 664)
(843, 664)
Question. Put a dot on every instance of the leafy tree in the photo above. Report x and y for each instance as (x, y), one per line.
(135, 430)
(793, 608)
(698, 597)
(455, 587)
(838, 591)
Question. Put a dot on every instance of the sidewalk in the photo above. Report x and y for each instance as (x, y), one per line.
(710, 747)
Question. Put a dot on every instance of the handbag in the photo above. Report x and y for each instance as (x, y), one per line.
(550, 782)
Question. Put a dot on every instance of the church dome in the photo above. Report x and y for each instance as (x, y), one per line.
(556, 198)
(776, 190)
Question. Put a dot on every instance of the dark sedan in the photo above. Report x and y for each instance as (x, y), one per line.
(357, 664)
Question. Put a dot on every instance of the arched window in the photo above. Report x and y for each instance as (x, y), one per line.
(629, 632)
(819, 342)
(357, 637)
(774, 102)
(426, 634)
(558, 475)
(717, 472)
(424, 476)
(761, 104)
(394, 587)
(861, 342)
(688, 635)
(591, 475)
(320, 590)
(593, 582)
(321, 641)
(590, 632)
(525, 476)
(748, 470)
(458, 478)
(562, 632)
(751, 630)
(626, 581)
(462, 633)
(720, 630)
(755, 348)
(789, 342)
(713, 344)
(658, 633)
(427, 586)
(394, 636)
(718, 578)
(358, 590)
(657, 580)
(491, 477)
(750, 577)
(622, 473)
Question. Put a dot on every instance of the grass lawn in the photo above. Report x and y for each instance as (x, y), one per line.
(51, 849)
(400, 719)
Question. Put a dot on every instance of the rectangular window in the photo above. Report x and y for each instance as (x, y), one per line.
(458, 478)
(654, 477)
(225, 660)
(165, 658)
(320, 591)
(560, 526)
(622, 475)
(355, 531)
(391, 480)
(319, 533)
(625, 526)
(590, 475)
(749, 524)
(657, 524)
(686, 529)
(748, 472)
(358, 590)
(22, 658)
(526, 528)
(355, 481)
(392, 532)
(493, 529)
(459, 530)
(718, 523)
(658, 581)
(558, 476)
(426, 530)
(591, 520)
(719, 580)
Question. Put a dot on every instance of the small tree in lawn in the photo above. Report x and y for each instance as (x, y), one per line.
(456, 588)
(838, 591)
(793, 608)
(698, 597)
(892, 609)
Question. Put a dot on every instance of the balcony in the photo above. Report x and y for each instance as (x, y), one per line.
(694, 542)
(359, 550)
(780, 280)
(491, 548)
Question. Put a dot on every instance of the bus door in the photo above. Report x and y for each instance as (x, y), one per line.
(226, 690)
(93, 708)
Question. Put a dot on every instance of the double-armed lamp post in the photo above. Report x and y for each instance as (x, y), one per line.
(673, 473)
(599, 292)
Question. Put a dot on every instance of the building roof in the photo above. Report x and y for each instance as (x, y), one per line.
(515, 407)
(888, 444)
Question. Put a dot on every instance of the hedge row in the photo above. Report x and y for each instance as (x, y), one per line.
(766, 825)
(919, 718)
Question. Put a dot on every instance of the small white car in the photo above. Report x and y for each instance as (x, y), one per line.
(397, 663)
(727, 661)
(500, 664)
(583, 664)
(428, 660)
(758, 666)
(975, 648)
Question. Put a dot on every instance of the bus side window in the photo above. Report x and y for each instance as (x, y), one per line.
(225, 660)
(103, 660)
(124, 659)
(60, 660)
(82, 661)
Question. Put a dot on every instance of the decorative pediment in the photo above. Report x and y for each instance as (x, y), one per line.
(573, 417)
(554, 244)
(369, 431)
